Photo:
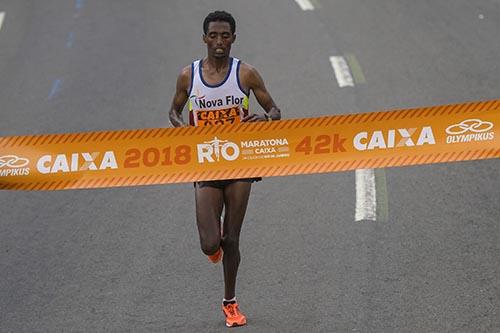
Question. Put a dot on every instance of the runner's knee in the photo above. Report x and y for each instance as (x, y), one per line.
(231, 243)
(210, 246)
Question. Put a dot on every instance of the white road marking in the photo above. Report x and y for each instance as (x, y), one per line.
(481, 16)
(366, 195)
(342, 72)
(305, 4)
(382, 197)
(2, 15)
(316, 4)
(355, 68)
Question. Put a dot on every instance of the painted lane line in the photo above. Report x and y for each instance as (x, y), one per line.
(56, 87)
(366, 190)
(382, 196)
(2, 16)
(342, 72)
(316, 4)
(305, 4)
(366, 195)
(355, 67)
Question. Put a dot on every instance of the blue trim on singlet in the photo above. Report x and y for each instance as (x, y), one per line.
(223, 81)
(192, 79)
(238, 79)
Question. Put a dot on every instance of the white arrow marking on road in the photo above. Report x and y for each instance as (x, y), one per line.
(305, 4)
(342, 72)
(2, 15)
(366, 195)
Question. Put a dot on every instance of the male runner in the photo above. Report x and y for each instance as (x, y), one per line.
(221, 77)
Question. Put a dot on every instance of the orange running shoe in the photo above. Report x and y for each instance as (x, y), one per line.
(217, 256)
(233, 315)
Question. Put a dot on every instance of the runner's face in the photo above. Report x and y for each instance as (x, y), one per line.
(219, 39)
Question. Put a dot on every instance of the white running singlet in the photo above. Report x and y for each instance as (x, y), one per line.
(223, 103)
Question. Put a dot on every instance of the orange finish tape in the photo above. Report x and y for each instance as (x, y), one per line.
(437, 134)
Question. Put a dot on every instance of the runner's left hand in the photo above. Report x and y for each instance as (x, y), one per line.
(254, 117)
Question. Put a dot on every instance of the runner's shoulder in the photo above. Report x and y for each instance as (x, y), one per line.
(246, 69)
(186, 72)
(249, 74)
(184, 78)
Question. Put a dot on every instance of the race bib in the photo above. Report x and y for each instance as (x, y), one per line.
(219, 117)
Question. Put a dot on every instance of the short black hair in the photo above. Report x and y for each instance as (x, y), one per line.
(222, 16)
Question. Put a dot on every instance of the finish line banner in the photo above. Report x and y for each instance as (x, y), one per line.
(445, 133)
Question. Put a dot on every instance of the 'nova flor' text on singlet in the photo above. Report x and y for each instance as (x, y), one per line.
(220, 104)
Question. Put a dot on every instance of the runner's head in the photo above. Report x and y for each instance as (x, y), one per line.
(219, 30)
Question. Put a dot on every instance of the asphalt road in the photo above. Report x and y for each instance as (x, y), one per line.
(129, 258)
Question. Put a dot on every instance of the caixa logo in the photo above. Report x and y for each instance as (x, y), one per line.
(394, 138)
(212, 151)
(76, 162)
(13, 165)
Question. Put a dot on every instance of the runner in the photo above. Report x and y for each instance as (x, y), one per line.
(218, 88)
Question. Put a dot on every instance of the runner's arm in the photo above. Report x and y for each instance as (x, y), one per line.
(180, 98)
(252, 79)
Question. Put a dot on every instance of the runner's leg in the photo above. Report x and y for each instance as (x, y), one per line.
(209, 203)
(235, 199)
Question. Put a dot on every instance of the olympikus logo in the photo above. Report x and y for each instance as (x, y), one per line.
(470, 130)
(13, 161)
(213, 150)
(12, 165)
(402, 137)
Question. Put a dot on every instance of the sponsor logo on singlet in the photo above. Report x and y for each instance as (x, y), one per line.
(203, 103)
(218, 117)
